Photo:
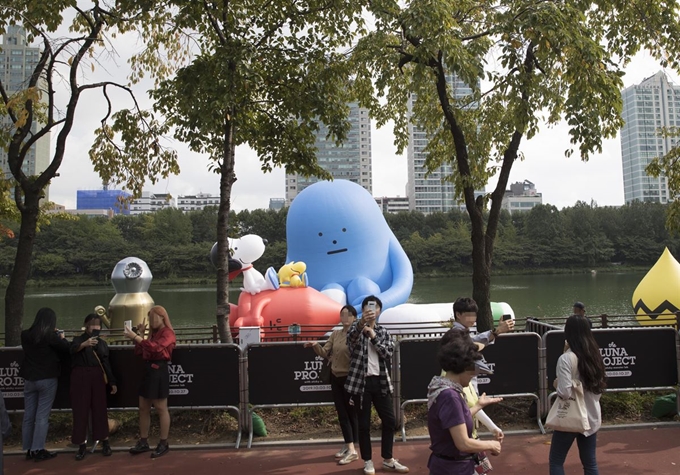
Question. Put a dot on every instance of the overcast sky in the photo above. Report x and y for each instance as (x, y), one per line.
(561, 180)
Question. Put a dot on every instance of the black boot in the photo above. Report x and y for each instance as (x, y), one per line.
(106, 449)
(82, 449)
(161, 449)
(43, 454)
(141, 447)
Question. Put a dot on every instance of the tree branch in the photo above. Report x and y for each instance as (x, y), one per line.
(509, 156)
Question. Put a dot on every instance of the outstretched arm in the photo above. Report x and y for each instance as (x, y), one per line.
(402, 276)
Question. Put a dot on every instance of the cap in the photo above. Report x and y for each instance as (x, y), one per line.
(579, 305)
(481, 367)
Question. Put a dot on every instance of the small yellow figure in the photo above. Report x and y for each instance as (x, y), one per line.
(293, 275)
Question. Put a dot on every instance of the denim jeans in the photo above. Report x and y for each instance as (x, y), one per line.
(38, 399)
(561, 443)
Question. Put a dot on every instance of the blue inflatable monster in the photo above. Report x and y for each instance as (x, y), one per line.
(338, 230)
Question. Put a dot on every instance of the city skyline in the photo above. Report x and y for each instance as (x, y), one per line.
(562, 181)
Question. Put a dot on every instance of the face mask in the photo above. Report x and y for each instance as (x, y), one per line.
(95, 332)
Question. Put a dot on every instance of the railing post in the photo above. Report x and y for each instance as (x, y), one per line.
(605, 320)
(214, 333)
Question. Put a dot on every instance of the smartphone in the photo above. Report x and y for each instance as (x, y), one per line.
(507, 316)
(128, 324)
(372, 305)
(95, 333)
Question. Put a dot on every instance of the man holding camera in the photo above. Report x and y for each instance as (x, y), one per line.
(368, 383)
(465, 317)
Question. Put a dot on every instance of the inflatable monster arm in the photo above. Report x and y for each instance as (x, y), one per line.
(399, 289)
(402, 277)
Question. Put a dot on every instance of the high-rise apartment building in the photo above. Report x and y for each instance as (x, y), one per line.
(350, 161)
(17, 62)
(648, 106)
(428, 193)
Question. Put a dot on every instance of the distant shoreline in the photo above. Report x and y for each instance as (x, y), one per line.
(80, 281)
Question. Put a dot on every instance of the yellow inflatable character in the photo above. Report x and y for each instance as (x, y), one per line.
(657, 296)
(293, 275)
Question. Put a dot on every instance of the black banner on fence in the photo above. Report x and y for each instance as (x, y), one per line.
(12, 384)
(514, 359)
(633, 357)
(285, 374)
(418, 364)
(199, 376)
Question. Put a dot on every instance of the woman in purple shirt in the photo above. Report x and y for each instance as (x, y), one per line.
(449, 420)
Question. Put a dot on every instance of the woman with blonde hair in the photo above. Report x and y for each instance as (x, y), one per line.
(156, 351)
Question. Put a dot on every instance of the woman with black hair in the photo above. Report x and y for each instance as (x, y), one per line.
(581, 360)
(42, 344)
(90, 374)
(336, 350)
(449, 420)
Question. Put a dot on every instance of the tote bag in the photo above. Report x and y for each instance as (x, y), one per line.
(570, 415)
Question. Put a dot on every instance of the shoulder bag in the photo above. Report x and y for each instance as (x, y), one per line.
(570, 415)
(106, 378)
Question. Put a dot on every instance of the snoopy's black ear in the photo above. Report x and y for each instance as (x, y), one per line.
(265, 241)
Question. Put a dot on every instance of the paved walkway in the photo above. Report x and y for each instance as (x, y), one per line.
(620, 452)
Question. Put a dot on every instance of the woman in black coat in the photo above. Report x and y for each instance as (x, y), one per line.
(42, 344)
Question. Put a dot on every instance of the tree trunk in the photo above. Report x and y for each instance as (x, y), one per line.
(481, 267)
(16, 290)
(227, 179)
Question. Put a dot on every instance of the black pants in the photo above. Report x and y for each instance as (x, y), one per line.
(88, 399)
(385, 409)
(347, 416)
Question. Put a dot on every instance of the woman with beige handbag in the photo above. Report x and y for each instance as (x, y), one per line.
(576, 413)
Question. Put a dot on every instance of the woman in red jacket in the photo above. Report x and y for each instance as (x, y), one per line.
(156, 352)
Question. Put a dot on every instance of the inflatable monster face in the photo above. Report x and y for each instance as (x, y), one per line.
(339, 231)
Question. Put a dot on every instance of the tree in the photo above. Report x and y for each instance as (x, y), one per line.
(36, 111)
(265, 73)
(669, 166)
(525, 63)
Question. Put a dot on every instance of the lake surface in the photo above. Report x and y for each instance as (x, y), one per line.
(529, 295)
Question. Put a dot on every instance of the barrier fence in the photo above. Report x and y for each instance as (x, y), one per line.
(285, 374)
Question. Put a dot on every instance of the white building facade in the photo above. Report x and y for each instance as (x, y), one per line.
(648, 106)
(151, 202)
(521, 197)
(197, 202)
(17, 63)
(350, 161)
(429, 193)
(393, 204)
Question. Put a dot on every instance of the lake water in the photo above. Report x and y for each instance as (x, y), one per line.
(529, 295)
